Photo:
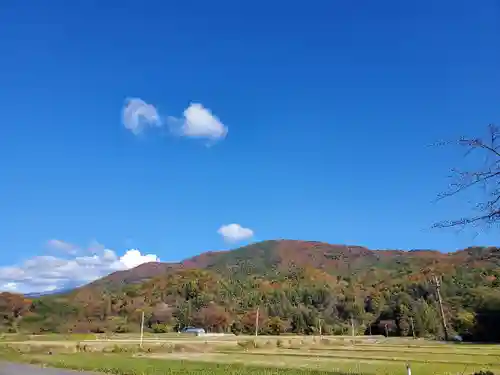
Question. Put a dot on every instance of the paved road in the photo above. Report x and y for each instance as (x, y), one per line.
(17, 369)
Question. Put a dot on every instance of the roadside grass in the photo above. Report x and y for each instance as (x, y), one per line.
(398, 356)
(235, 364)
(120, 364)
(332, 364)
(447, 350)
(19, 337)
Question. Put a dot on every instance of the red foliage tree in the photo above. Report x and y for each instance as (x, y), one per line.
(213, 318)
(249, 319)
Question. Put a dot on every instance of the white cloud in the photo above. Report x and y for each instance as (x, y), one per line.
(133, 258)
(9, 287)
(198, 122)
(137, 115)
(235, 232)
(59, 245)
(46, 273)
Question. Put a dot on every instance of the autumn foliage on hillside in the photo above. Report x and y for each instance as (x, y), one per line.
(296, 286)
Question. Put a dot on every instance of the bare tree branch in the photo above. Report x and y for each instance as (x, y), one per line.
(486, 176)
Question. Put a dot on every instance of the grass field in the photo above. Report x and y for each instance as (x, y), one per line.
(244, 355)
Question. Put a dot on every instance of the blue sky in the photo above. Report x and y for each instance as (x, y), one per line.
(305, 121)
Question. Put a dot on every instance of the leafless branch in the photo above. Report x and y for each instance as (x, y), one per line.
(486, 176)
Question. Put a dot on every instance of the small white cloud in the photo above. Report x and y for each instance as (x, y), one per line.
(235, 232)
(133, 258)
(47, 273)
(137, 115)
(198, 122)
(59, 245)
(10, 287)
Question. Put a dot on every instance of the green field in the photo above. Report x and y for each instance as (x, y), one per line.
(246, 355)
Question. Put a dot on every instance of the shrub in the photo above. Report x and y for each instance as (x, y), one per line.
(160, 328)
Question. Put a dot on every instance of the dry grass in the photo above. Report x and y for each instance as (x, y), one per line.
(327, 354)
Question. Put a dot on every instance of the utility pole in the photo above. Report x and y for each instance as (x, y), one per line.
(352, 331)
(437, 283)
(412, 327)
(257, 322)
(142, 329)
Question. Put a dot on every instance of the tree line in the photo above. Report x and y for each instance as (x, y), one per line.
(300, 302)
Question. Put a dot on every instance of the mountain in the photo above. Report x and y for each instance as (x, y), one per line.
(49, 293)
(296, 285)
(135, 275)
(268, 257)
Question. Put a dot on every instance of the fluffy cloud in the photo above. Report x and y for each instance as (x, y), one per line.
(198, 122)
(47, 273)
(137, 115)
(10, 287)
(235, 232)
(133, 258)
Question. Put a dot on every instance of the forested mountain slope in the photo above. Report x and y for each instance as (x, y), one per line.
(272, 257)
(296, 284)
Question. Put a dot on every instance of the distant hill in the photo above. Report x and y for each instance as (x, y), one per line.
(296, 285)
(49, 293)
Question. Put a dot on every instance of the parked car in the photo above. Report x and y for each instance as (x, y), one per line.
(193, 330)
